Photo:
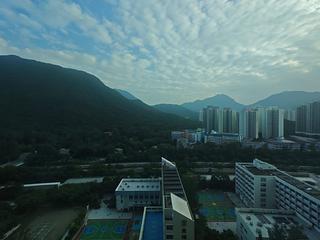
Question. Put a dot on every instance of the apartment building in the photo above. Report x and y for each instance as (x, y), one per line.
(255, 184)
(262, 185)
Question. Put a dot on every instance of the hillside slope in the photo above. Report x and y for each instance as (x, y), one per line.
(178, 110)
(35, 95)
(289, 99)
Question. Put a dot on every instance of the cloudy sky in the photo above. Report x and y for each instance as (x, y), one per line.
(173, 51)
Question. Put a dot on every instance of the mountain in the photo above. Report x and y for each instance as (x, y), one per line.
(126, 94)
(288, 99)
(41, 96)
(177, 110)
(220, 100)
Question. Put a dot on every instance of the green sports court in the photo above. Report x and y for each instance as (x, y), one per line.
(104, 229)
(216, 206)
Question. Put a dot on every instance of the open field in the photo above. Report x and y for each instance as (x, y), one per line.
(104, 229)
(216, 206)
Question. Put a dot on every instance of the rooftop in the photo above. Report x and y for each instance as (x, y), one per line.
(307, 188)
(181, 206)
(260, 221)
(139, 184)
(256, 171)
(83, 180)
(41, 184)
(264, 169)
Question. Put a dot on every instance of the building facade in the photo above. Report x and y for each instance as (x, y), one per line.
(262, 185)
(308, 118)
(137, 193)
(274, 123)
(221, 138)
(248, 124)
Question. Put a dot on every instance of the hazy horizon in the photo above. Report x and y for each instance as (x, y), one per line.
(174, 51)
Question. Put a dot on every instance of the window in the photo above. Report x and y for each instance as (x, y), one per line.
(169, 227)
(184, 236)
(169, 236)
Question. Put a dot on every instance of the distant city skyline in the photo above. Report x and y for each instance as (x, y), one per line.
(173, 51)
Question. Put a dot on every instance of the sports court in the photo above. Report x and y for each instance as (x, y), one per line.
(216, 206)
(104, 229)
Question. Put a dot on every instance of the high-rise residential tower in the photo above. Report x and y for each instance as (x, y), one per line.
(308, 118)
(274, 122)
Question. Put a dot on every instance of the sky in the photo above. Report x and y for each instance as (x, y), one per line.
(173, 51)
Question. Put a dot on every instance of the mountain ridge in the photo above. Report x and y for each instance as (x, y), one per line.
(36, 95)
(178, 110)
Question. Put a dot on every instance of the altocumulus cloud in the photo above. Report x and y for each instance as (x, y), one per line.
(173, 50)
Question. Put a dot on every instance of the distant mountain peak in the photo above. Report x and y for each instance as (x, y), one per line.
(220, 100)
(288, 99)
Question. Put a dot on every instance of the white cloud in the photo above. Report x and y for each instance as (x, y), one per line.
(179, 50)
(59, 15)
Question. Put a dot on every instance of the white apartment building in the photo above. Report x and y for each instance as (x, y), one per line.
(262, 185)
(274, 122)
(221, 138)
(138, 192)
(254, 184)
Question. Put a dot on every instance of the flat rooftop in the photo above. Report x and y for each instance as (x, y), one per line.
(84, 180)
(262, 220)
(47, 184)
(257, 171)
(307, 188)
(139, 184)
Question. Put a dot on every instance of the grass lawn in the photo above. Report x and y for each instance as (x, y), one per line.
(104, 230)
(216, 206)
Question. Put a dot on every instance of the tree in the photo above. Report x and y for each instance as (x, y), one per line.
(296, 233)
(278, 232)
